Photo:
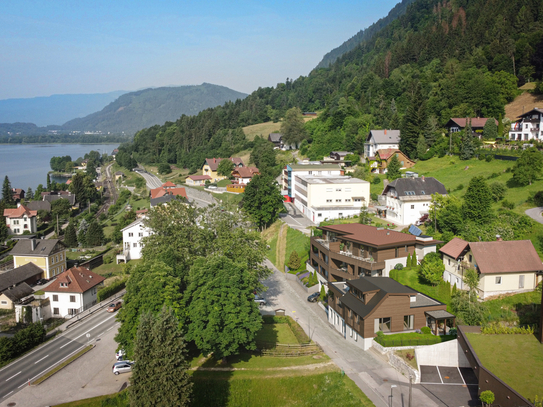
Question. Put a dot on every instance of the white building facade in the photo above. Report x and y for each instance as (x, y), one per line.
(304, 168)
(528, 126)
(381, 139)
(132, 240)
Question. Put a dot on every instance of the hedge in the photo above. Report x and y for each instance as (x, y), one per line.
(22, 341)
(108, 291)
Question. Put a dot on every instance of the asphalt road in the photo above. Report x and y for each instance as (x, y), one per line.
(535, 214)
(152, 180)
(19, 373)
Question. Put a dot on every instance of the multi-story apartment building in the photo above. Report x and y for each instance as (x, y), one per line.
(349, 251)
(321, 197)
(529, 126)
(310, 168)
(47, 254)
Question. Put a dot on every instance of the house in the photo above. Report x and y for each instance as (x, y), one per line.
(39, 206)
(47, 254)
(20, 220)
(119, 175)
(28, 273)
(168, 188)
(12, 295)
(141, 213)
(244, 175)
(457, 124)
(132, 240)
(529, 126)
(382, 158)
(379, 139)
(18, 194)
(197, 180)
(73, 291)
(339, 155)
(503, 266)
(55, 195)
(360, 308)
(291, 170)
(352, 250)
(212, 164)
(276, 139)
(406, 200)
(321, 197)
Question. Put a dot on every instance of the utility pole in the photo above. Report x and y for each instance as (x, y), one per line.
(410, 388)
(58, 230)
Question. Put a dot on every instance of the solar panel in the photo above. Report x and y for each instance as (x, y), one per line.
(415, 230)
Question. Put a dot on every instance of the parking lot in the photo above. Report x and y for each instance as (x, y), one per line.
(447, 375)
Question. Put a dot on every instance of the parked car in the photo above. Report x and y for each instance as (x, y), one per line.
(120, 355)
(41, 281)
(114, 306)
(260, 300)
(122, 367)
(314, 297)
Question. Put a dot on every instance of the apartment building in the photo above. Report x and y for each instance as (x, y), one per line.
(309, 168)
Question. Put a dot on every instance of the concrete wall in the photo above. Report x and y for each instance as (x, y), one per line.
(442, 354)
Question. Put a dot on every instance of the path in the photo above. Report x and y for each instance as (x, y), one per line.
(281, 248)
(535, 213)
(233, 369)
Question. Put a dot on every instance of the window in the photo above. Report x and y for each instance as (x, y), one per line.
(60, 256)
(412, 206)
(16, 222)
(347, 200)
(408, 321)
(130, 234)
(338, 189)
(135, 245)
(72, 298)
(498, 280)
(56, 311)
(470, 258)
(4, 302)
(406, 249)
(520, 281)
(357, 200)
(140, 234)
(328, 200)
(25, 226)
(382, 324)
(449, 261)
(319, 215)
(340, 214)
(72, 311)
(55, 297)
(338, 200)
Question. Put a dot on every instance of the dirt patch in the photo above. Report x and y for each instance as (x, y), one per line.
(523, 104)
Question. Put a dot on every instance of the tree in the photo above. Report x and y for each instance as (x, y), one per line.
(164, 168)
(498, 190)
(91, 169)
(223, 316)
(490, 130)
(487, 398)
(29, 195)
(364, 216)
(294, 261)
(413, 123)
(225, 167)
(477, 206)
(69, 167)
(95, 234)
(467, 312)
(159, 376)
(422, 147)
(70, 237)
(467, 148)
(83, 188)
(393, 168)
(432, 268)
(37, 194)
(262, 200)
(293, 127)
(263, 156)
(82, 232)
(7, 193)
(471, 279)
(60, 207)
(4, 231)
(48, 182)
(528, 167)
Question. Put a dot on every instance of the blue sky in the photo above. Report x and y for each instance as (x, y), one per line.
(56, 47)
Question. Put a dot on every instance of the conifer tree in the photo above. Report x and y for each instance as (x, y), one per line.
(490, 130)
(421, 146)
(7, 193)
(70, 237)
(414, 260)
(467, 143)
(95, 234)
(408, 263)
(414, 123)
(48, 182)
(29, 195)
(393, 168)
(477, 206)
(500, 126)
(294, 261)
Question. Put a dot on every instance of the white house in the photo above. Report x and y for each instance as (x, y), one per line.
(73, 291)
(406, 200)
(380, 139)
(132, 240)
(529, 126)
(20, 220)
(321, 197)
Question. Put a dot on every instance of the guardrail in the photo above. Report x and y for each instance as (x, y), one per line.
(97, 307)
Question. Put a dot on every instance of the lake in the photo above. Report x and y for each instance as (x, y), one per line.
(27, 165)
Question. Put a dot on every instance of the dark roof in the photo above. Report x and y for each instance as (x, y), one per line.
(76, 280)
(52, 198)
(359, 307)
(534, 110)
(42, 248)
(214, 162)
(275, 137)
(513, 256)
(440, 314)
(18, 292)
(420, 186)
(39, 206)
(386, 284)
(164, 199)
(478, 122)
(370, 235)
(385, 136)
(18, 275)
(454, 248)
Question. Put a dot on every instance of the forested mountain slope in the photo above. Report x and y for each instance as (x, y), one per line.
(440, 59)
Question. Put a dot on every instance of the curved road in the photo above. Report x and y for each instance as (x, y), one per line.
(535, 214)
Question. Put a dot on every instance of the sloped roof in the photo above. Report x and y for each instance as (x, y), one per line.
(475, 121)
(199, 177)
(245, 172)
(18, 292)
(420, 186)
(78, 280)
(385, 136)
(534, 110)
(275, 137)
(214, 162)
(51, 198)
(39, 206)
(18, 275)
(511, 256)
(454, 248)
(42, 248)
(386, 153)
(370, 235)
(164, 199)
(158, 192)
(168, 184)
(19, 212)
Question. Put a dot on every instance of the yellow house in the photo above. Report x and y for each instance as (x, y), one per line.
(211, 165)
(503, 266)
(13, 294)
(47, 254)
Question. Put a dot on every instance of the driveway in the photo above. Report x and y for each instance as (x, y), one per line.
(369, 370)
(535, 213)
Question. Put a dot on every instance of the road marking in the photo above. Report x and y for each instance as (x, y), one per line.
(41, 359)
(439, 373)
(7, 394)
(13, 376)
(105, 320)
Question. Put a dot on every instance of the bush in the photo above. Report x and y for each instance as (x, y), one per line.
(498, 329)
(538, 198)
(108, 291)
(508, 204)
(426, 330)
(376, 180)
(21, 342)
(489, 158)
(294, 261)
(374, 197)
(398, 266)
(164, 168)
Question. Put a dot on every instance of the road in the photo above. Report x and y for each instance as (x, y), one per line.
(535, 214)
(152, 180)
(27, 368)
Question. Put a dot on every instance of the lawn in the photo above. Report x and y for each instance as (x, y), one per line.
(110, 400)
(521, 307)
(413, 339)
(299, 242)
(516, 359)
(270, 236)
(261, 129)
(278, 333)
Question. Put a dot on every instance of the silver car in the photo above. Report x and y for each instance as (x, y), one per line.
(260, 300)
(124, 366)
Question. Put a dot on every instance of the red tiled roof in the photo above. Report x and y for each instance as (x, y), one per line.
(513, 256)
(386, 153)
(78, 279)
(158, 192)
(475, 121)
(168, 184)
(214, 162)
(199, 177)
(370, 234)
(245, 172)
(454, 248)
(142, 211)
(19, 212)
(178, 192)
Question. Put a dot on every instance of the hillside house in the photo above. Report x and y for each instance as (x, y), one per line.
(212, 164)
(382, 158)
(20, 220)
(133, 236)
(168, 188)
(47, 254)
(28, 274)
(197, 180)
(528, 126)
(457, 124)
(12, 295)
(380, 139)
(18, 194)
(244, 175)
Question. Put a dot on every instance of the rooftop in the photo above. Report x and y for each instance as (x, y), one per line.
(75, 280)
(454, 248)
(331, 179)
(314, 166)
(19, 212)
(18, 275)
(423, 186)
(385, 136)
(36, 247)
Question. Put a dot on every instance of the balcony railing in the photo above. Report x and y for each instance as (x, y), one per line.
(324, 243)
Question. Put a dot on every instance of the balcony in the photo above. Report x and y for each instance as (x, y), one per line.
(331, 249)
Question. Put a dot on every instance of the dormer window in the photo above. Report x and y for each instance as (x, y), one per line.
(64, 284)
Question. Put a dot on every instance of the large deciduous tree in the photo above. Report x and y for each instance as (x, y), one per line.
(432, 268)
(477, 206)
(159, 376)
(225, 167)
(223, 316)
(293, 127)
(528, 167)
(263, 156)
(262, 200)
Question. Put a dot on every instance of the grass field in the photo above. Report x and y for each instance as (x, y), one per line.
(413, 339)
(261, 129)
(270, 236)
(278, 333)
(516, 359)
(299, 242)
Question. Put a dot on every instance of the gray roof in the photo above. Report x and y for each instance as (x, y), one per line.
(386, 284)
(18, 275)
(18, 292)
(42, 248)
(391, 136)
(440, 314)
(406, 187)
(52, 198)
(39, 206)
(165, 199)
(275, 137)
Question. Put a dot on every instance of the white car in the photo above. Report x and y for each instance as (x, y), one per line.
(124, 366)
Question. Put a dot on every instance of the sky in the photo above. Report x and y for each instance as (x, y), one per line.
(70, 47)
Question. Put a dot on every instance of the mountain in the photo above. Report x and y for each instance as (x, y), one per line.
(137, 110)
(364, 35)
(55, 109)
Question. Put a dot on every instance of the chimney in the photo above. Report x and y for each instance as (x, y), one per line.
(33, 244)
(422, 178)
(499, 238)
(388, 232)
(385, 132)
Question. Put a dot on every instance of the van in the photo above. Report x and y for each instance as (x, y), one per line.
(122, 367)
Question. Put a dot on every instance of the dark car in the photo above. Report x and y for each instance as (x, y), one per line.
(41, 281)
(313, 297)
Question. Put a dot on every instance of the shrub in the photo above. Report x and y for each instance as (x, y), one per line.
(487, 397)
(21, 342)
(459, 187)
(538, 198)
(489, 158)
(398, 266)
(508, 204)
(453, 331)
(108, 291)
(164, 168)
(498, 329)
(426, 330)
(294, 261)
(374, 197)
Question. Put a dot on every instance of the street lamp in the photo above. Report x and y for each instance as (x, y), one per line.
(391, 387)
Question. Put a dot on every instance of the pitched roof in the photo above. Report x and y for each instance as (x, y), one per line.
(245, 172)
(370, 235)
(18, 275)
(75, 280)
(164, 199)
(214, 162)
(511, 256)
(19, 212)
(199, 177)
(454, 248)
(35, 247)
(475, 121)
(386, 153)
(18, 292)
(406, 187)
(534, 110)
(158, 192)
(51, 198)
(275, 137)
(385, 136)
(39, 206)
(168, 184)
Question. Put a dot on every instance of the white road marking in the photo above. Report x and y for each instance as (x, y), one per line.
(13, 376)
(460, 373)
(7, 394)
(439, 373)
(41, 359)
(105, 320)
